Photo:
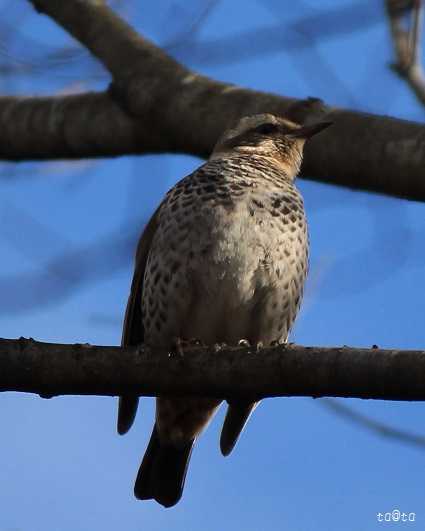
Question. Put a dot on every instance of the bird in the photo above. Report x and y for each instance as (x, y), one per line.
(223, 259)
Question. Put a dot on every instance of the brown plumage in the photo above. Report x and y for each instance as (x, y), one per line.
(223, 258)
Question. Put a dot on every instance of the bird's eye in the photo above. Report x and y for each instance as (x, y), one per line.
(266, 129)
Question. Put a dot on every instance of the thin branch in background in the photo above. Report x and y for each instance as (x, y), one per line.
(26, 55)
(375, 426)
(105, 320)
(407, 42)
(309, 60)
(320, 25)
(60, 276)
(190, 32)
(415, 34)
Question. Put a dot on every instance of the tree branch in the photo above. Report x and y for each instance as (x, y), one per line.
(115, 43)
(407, 43)
(167, 108)
(374, 426)
(229, 372)
(77, 126)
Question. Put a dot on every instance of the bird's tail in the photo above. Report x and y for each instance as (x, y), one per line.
(162, 472)
(127, 409)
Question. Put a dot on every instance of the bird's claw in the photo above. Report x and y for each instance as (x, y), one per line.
(179, 344)
(219, 346)
(244, 343)
(177, 348)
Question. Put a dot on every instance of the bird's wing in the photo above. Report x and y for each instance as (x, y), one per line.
(237, 416)
(133, 331)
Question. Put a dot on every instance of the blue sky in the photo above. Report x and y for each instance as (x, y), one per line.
(67, 234)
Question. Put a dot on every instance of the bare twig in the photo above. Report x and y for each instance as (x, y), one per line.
(222, 372)
(407, 43)
(67, 271)
(375, 426)
(281, 36)
(415, 34)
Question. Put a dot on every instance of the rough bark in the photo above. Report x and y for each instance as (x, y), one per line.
(55, 369)
(157, 105)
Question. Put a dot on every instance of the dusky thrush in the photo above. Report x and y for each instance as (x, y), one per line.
(223, 259)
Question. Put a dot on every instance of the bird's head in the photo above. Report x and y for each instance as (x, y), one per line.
(270, 136)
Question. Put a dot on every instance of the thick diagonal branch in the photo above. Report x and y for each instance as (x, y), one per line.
(163, 107)
(229, 373)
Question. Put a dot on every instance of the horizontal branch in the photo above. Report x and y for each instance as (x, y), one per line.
(229, 372)
(157, 105)
(69, 127)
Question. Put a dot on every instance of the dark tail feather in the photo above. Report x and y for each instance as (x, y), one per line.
(162, 472)
(237, 416)
(127, 408)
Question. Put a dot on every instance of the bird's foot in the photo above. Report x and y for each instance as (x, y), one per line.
(179, 344)
(259, 346)
(177, 348)
(279, 342)
(219, 346)
(193, 342)
(244, 343)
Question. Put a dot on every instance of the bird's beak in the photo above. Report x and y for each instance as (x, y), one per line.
(307, 131)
